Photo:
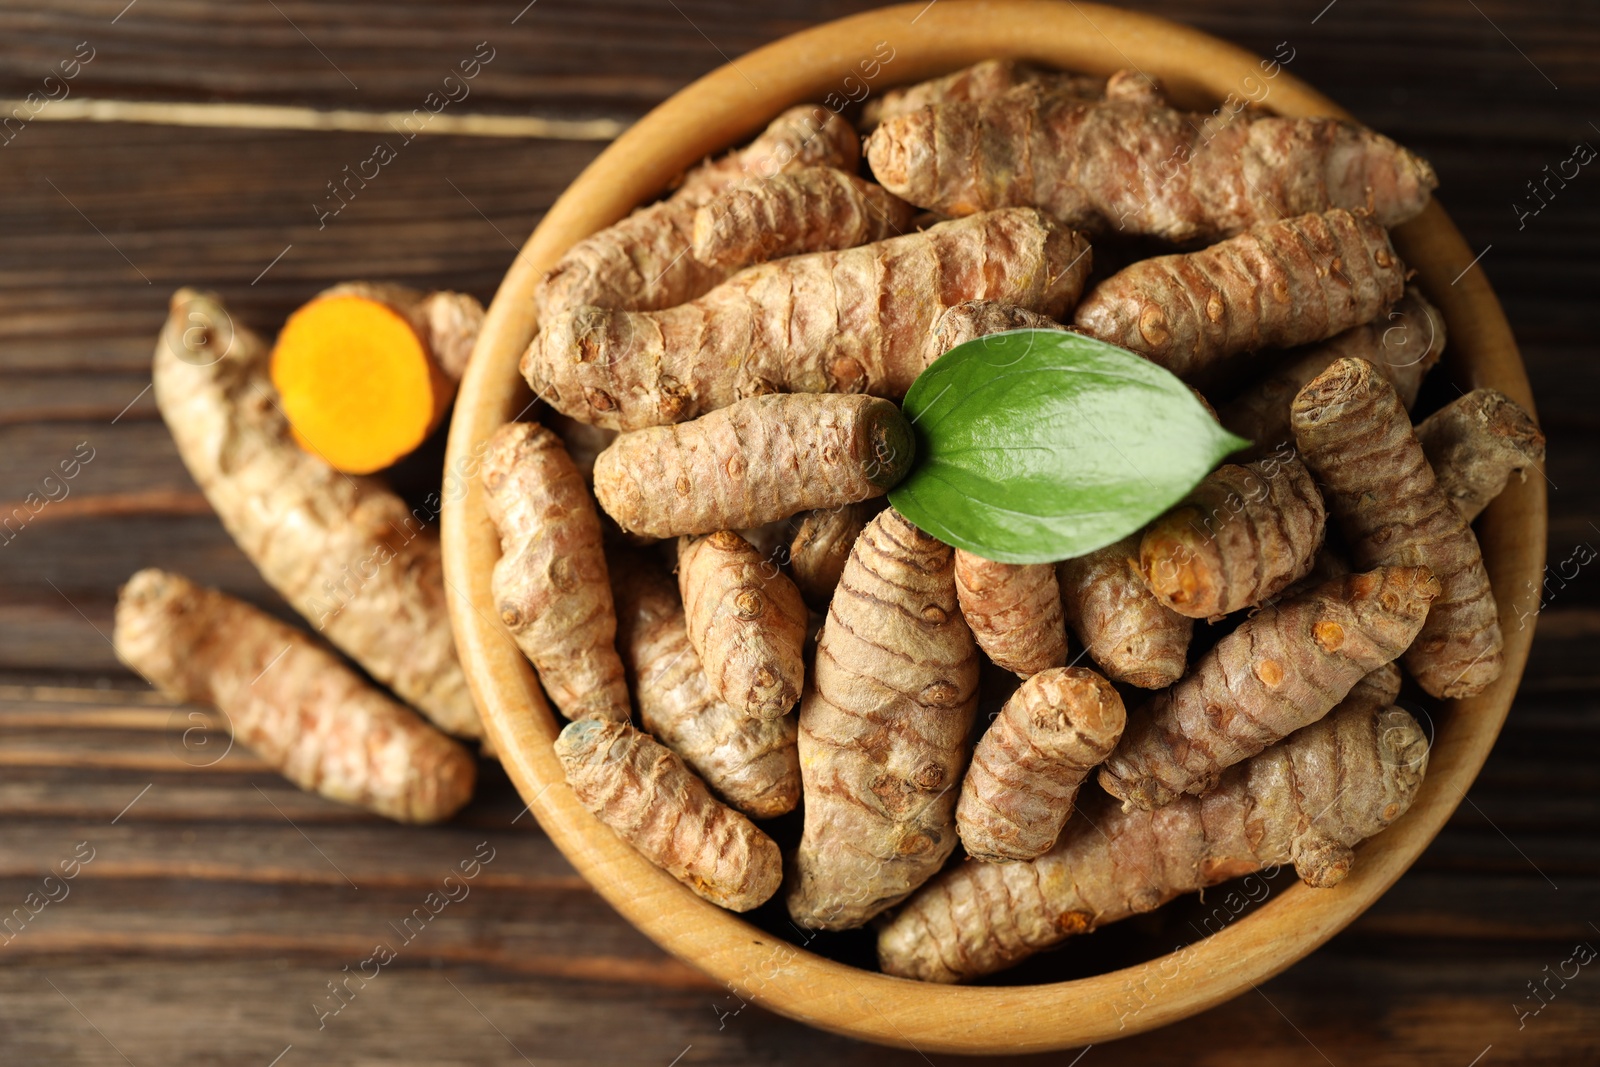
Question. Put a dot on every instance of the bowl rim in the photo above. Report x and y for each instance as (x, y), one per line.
(719, 109)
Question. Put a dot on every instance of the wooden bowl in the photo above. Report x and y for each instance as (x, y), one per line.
(719, 110)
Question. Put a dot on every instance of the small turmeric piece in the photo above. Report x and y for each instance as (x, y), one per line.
(1283, 668)
(883, 729)
(1306, 801)
(1131, 162)
(754, 462)
(1404, 345)
(1355, 435)
(1278, 285)
(293, 702)
(343, 550)
(821, 545)
(1025, 773)
(746, 621)
(751, 764)
(817, 209)
(1014, 610)
(1130, 635)
(977, 82)
(643, 791)
(853, 321)
(1475, 444)
(550, 584)
(643, 262)
(363, 375)
(1239, 538)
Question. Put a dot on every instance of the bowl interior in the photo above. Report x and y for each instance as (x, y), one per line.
(836, 63)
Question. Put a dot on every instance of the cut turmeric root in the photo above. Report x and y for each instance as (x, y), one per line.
(364, 372)
(343, 550)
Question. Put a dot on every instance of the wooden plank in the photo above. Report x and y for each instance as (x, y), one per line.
(570, 934)
(226, 204)
(1439, 1012)
(618, 58)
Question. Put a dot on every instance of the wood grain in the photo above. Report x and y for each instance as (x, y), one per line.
(1429, 975)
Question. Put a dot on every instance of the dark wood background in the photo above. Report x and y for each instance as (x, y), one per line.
(220, 901)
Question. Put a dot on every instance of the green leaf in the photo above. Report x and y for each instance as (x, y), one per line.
(1041, 445)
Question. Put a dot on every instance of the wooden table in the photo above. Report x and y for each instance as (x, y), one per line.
(220, 904)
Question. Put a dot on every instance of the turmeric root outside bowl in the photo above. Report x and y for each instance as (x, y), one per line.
(729, 105)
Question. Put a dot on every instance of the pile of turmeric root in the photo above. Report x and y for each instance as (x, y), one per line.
(360, 565)
(721, 370)
(698, 559)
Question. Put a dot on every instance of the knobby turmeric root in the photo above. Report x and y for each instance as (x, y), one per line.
(295, 704)
(1404, 345)
(1025, 773)
(746, 621)
(883, 729)
(1131, 162)
(1475, 444)
(1129, 634)
(821, 545)
(806, 135)
(550, 584)
(817, 209)
(365, 372)
(1239, 538)
(752, 764)
(643, 262)
(1306, 801)
(643, 791)
(1354, 434)
(977, 82)
(1014, 610)
(757, 461)
(854, 321)
(1283, 668)
(971, 319)
(344, 551)
(1281, 284)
